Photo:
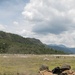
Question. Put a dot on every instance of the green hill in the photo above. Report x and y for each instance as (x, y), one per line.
(14, 44)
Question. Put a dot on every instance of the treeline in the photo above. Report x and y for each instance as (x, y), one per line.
(15, 44)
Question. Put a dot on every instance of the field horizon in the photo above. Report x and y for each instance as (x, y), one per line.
(28, 64)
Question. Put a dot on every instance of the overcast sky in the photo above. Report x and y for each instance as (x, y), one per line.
(51, 21)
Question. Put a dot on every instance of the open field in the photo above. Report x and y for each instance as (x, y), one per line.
(17, 64)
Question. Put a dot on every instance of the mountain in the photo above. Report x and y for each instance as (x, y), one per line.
(72, 50)
(13, 43)
(62, 48)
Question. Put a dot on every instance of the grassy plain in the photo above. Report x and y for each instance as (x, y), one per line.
(17, 64)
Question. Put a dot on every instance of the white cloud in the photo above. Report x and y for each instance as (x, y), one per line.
(15, 23)
(26, 33)
(50, 16)
(51, 21)
(2, 27)
(66, 39)
(55, 19)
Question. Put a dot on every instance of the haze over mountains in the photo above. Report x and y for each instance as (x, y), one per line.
(62, 48)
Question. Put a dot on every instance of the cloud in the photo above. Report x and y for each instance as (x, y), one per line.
(51, 21)
(26, 33)
(66, 39)
(50, 16)
(10, 15)
(15, 23)
(2, 27)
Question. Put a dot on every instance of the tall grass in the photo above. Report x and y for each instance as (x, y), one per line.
(12, 64)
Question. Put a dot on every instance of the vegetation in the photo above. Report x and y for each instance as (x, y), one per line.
(14, 44)
(29, 64)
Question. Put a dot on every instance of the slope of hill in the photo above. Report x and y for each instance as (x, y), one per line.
(13, 43)
(72, 50)
(62, 48)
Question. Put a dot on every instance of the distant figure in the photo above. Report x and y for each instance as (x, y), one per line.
(44, 70)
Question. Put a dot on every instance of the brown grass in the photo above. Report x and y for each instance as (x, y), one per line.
(12, 64)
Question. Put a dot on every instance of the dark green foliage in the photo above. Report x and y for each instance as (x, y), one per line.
(12, 43)
(3, 47)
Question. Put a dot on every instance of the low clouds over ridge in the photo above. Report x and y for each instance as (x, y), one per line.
(50, 16)
(51, 21)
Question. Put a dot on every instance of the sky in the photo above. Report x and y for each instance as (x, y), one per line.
(50, 21)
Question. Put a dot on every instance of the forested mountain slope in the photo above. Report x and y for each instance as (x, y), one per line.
(16, 44)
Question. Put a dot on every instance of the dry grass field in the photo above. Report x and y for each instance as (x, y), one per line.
(17, 64)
